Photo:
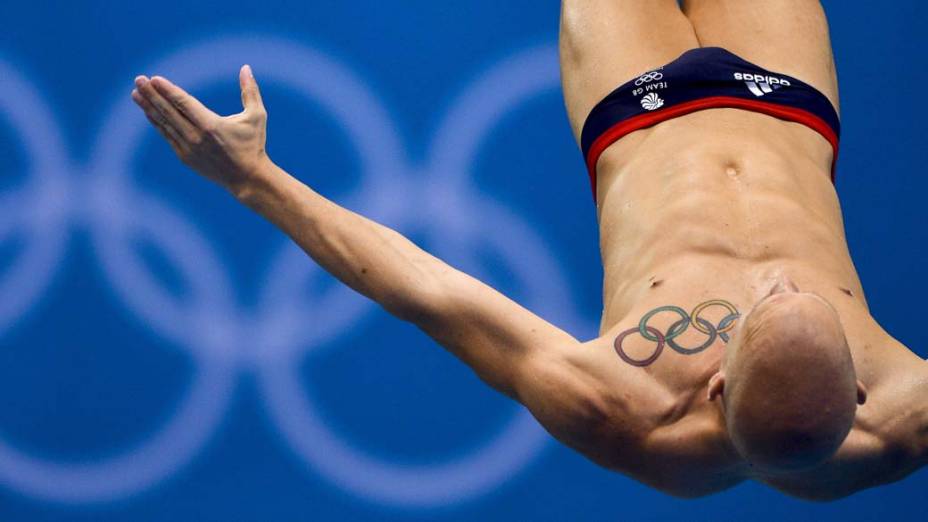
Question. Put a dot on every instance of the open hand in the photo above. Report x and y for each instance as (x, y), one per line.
(229, 150)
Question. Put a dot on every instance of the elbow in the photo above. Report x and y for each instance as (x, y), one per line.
(419, 303)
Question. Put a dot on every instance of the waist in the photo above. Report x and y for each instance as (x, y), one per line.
(716, 196)
(752, 143)
(703, 79)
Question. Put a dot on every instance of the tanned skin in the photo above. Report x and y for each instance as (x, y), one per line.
(703, 218)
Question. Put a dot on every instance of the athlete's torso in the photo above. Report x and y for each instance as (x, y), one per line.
(710, 207)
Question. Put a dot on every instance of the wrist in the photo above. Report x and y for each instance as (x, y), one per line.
(249, 186)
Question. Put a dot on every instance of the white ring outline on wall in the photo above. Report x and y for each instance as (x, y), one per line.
(370, 477)
(382, 196)
(157, 458)
(160, 454)
(40, 207)
(393, 483)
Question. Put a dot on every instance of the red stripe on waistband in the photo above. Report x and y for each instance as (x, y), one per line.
(642, 121)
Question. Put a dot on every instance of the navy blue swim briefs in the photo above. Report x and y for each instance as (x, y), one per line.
(704, 78)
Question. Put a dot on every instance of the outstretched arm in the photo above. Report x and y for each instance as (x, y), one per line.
(506, 345)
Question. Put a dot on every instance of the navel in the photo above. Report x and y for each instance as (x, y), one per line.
(731, 170)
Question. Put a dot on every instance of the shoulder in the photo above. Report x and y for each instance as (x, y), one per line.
(592, 404)
(855, 466)
(905, 426)
(881, 449)
(896, 410)
(895, 414)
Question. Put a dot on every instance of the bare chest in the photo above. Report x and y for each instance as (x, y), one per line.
(680, 320)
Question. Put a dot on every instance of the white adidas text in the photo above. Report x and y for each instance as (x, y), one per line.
(772, 80)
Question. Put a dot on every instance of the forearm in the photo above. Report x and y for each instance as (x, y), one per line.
(372, 259)
(486, 330)
(491, 333)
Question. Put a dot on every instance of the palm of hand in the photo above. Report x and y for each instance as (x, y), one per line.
(228, 150)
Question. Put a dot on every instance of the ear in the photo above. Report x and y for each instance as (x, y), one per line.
(716, 385)
(861, 392)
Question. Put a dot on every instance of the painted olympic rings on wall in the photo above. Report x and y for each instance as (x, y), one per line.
(223, 337)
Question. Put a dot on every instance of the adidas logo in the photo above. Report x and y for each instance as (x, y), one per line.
(759, 84)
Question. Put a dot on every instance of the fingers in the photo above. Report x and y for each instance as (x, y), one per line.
(156, 120)
(165, 112)
(251, 96)
(187, 105)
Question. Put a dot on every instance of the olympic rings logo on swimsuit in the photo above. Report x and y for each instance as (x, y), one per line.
(225, 339)
(648, 77)
(676, 329)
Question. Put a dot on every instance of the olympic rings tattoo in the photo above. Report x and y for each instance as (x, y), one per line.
(676, 329)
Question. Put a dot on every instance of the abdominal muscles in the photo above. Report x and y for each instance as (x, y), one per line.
(716, 193)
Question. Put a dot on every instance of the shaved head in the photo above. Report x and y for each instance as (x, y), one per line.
(788, 384)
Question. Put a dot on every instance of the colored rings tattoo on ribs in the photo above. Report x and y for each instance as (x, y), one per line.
(677, 329)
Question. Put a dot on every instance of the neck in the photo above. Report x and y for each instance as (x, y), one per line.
(714, 412)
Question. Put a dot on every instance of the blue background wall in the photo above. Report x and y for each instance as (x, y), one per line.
(166, 355)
